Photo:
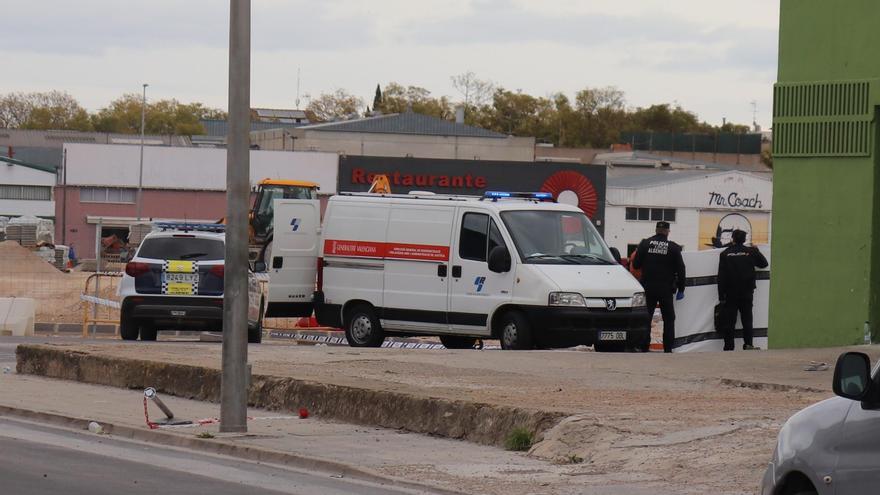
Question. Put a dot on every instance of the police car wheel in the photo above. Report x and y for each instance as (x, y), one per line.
(457, 342)
(362, 328)
(515, 332)
(255, 333)
(128, 329)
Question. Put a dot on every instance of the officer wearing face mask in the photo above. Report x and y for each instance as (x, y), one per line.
(662, 274)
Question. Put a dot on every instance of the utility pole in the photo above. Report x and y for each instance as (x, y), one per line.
(233, 385)
(140, 191)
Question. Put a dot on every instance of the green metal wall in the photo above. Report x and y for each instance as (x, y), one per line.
(826, 186)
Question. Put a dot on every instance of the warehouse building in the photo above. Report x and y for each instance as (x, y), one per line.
(405, 134)
(179, 184)
(26, 189)
(703, 204)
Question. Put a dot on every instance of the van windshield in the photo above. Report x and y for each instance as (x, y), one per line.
(556, 238)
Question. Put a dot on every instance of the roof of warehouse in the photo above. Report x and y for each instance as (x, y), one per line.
(406, 123)
(42, 168)
(279, 113)
(656, 177)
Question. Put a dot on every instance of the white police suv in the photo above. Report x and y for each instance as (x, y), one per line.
(175, 282)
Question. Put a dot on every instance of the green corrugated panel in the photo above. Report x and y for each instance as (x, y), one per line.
(828, 118)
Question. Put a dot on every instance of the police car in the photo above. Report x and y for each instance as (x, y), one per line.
(175, 282)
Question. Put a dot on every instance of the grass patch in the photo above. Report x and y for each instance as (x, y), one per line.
(519, 439)
(205, 434)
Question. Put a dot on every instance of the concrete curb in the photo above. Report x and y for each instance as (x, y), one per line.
(219, 447)
(476, 422)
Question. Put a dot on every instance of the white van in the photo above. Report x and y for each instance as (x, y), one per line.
(512, 266)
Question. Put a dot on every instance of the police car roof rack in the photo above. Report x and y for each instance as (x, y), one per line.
(529, 196)
(189, 227)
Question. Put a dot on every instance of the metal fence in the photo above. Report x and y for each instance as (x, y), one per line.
(745, 144)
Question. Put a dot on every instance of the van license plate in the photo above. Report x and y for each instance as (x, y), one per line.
(612, 335)
(178, 313)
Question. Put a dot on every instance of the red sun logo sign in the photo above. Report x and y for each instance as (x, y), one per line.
(570, 184)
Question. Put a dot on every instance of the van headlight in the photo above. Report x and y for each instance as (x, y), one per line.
(638, 300)
(567, 299)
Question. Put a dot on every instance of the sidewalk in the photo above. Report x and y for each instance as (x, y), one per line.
(447, 464)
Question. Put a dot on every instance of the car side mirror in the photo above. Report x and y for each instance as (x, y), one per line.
(499, 259)
(259, 266)
(852, 376)
(616, 253)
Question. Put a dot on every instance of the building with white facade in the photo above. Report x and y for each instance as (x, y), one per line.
(26, 189)
(703, 206)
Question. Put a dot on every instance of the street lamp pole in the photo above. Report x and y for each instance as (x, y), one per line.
(140, 191)
(233, 384)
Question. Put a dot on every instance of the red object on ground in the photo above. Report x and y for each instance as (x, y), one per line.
(303, 413)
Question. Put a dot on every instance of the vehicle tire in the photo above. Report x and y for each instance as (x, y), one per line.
(128, 328)
(266, 253)
(255, 333)
(148, 332)
(362, 327)
(458, 342)
(515, 332)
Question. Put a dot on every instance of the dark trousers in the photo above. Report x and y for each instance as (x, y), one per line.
(742, 304)
(667, 309)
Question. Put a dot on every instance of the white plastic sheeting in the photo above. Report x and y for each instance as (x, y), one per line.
(695, 314)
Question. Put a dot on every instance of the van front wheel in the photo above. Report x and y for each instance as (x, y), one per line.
(362, 328)
(515, 332)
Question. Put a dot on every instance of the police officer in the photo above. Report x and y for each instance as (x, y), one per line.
(736, 287)
(662, 272)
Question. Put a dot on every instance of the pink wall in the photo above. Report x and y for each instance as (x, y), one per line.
(198, 205)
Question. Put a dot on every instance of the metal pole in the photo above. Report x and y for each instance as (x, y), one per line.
(98, 230)
(233, 385)
(64, 198)
(141, 168)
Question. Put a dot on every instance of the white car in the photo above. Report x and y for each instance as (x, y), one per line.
(175, 282)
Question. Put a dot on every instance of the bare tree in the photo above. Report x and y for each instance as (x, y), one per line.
(475, 92)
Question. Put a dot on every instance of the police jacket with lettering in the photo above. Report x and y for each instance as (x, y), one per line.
(736, 270)
(661, 264)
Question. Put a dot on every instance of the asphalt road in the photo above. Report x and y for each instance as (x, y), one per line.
(42, 460)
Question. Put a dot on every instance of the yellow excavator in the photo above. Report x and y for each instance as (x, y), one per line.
(262, 215)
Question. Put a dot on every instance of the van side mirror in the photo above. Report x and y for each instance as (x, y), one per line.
(499, 259)
(259, 266)
(852, 376)
(616, 253)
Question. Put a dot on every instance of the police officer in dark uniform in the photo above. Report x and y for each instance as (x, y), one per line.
(736, 287)
(662, 273)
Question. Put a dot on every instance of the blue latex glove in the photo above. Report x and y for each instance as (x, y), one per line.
(679, 295)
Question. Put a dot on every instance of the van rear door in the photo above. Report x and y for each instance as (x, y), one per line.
(294, 262)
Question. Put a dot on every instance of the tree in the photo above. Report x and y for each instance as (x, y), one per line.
(123, 116)
(377, 99)
(521, 114)
(49, 110)
(399, 99)
(475, 92)
(332, 106)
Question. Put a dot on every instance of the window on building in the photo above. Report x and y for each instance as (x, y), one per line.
(106, 195)
(27, 193)
(650, 214)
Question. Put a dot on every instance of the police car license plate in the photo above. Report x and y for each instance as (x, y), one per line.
(612, 335)
(182, 278)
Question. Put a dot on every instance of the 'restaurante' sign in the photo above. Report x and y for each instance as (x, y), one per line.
(580, 185)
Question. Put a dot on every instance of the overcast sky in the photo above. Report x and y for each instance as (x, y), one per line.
(711, 56)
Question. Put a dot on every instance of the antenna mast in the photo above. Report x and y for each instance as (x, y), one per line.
(297, 87)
